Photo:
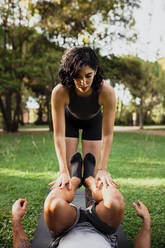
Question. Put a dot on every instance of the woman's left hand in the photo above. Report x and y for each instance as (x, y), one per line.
(103, 176)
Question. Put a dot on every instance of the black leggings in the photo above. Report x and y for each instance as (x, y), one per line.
(91, 129)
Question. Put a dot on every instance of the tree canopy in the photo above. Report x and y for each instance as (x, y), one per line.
(142, 78)
(33, 35)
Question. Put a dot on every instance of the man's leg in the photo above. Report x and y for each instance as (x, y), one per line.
(94, 147)
(71, 148)
(58, 213)
(110, 202)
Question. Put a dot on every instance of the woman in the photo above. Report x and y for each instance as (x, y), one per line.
(83, 101)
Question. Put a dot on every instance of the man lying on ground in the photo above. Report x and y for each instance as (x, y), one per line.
(73, 227)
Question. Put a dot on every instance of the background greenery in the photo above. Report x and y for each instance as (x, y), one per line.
(28, 163)
(34, 36)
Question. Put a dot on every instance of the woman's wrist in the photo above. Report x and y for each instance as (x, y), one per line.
(103, 166)
(64, 171)
(102, 169)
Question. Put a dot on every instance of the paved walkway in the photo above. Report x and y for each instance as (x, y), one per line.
(147, 129)
(131, 128)
(153, 130)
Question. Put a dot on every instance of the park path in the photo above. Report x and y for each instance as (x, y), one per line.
(156, 130)
(152, 130)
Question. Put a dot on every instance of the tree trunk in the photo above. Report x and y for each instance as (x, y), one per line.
(9, 125)
(49, 114)
(141, 114)
(39, 120)
(17, 113)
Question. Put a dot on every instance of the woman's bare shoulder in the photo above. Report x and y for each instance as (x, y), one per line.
(60, 93)
(107, 88)
(59, 89)
(107, 93)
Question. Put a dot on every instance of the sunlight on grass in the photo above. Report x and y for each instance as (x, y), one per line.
(27, 174)
(51, 174)
(138, 182)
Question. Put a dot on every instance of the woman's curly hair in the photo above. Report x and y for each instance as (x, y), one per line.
(73, 61)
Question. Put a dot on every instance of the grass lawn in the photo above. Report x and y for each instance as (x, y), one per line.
(32, 126)
(28, 163)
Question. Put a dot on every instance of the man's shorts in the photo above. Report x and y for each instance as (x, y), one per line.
(90, 216)
(91, 129)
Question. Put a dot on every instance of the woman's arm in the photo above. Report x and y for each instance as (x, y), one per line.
(58, 101)
(108, 100)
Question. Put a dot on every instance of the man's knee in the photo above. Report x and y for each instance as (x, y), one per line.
(52, 210)
(114, 199)
(52, 205)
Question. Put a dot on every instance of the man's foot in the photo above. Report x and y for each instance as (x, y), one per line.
(76, 166)
(89, 166)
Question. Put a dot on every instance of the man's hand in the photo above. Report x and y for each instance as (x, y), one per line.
(62, 180)
(143, 239)
(104, 177)
(20, 239)
(142, 211)
(19, 209)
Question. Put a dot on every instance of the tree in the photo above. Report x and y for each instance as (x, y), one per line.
(66, 20)
(13, 52)
(13, 69)
(43, 68)
(60, 22)
(141, 78)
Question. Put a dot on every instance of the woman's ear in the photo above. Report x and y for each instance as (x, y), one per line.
(96, 71)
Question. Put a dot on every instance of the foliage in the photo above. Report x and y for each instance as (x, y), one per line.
(43, 71)
(123, 114)
(73, 18)
(157, 113)
(31, 35)
(13, 54)
(142, 78)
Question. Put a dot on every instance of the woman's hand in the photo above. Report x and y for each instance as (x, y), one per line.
(62, 181)
(103, 176)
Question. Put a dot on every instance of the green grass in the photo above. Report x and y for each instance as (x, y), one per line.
(28, 163)
(27, 126)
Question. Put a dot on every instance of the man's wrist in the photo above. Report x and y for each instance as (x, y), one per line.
(147, 223)
(16, 219)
